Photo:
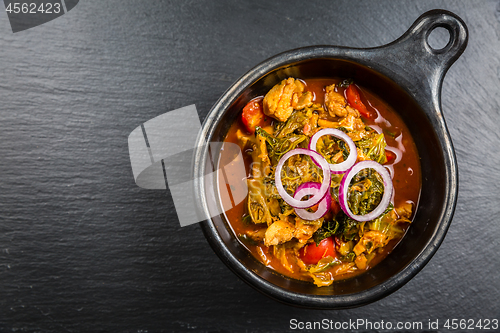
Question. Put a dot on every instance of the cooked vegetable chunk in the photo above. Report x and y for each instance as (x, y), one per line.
(305, 229)
(336, 104)
(258, 207)
(284, 97)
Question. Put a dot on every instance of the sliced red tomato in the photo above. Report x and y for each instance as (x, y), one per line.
(311, 254)
(354, 99)
(253, 115)
(390, 156)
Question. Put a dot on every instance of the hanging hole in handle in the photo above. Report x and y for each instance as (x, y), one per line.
(439, 38)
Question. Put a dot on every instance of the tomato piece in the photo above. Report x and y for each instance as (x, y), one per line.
(335, 207)
(311, 254)
(390, 156)
(253, 115)
(354, 99)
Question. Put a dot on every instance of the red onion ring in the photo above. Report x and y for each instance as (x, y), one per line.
(311, 188)
(386, 198)
(353, 155)
(325, 185)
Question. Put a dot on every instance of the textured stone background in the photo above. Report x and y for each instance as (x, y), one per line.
(83, 249)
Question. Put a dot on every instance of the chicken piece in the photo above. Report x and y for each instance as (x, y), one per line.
(281, 100)
(305, 101)
(356, 127)
(404, 211)
(279, 232)
(305, 229)
(337, 105)
(352, 123)
(352, 111)
(335, 102)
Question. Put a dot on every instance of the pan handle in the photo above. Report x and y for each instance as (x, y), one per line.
(413, 59)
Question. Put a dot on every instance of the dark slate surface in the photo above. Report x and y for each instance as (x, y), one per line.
(83, 249)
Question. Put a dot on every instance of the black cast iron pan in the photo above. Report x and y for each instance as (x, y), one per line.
(406, 73)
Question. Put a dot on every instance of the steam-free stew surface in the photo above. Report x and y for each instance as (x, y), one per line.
(402, 162)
